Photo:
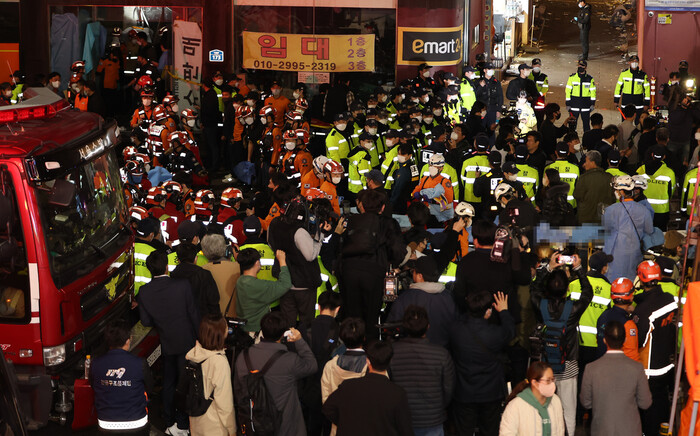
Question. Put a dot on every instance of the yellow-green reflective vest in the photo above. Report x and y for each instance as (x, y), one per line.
(267, 259)
(587, 325)
(468, 172)
(569, 174)
(141, 274)
(660, 187)
(530, 178)
(616, 172)
(328, 283)
(449, 274)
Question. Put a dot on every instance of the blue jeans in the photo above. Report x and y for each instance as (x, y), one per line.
(429, 431)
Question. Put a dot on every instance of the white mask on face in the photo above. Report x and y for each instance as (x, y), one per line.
(489, 73)
(175, 108)
(383, 121)
(428, 120)
(452, 98)
(372, 130)
(56, 83)
(419, 117)
(366, 145)
(426, 74)
(250, 103)
(454, 136)
(537, 70)
(296, 95)
(290, 145)
(634, 65)
(249, 120)
(219, 82)
(383, 98)
(433, 171)
(547, 390)
(341, 126)
(263, 120)
(371, 106)
(336, 179)
(437, 112)
(389, 142)
(577, 147)
(191, 122)
(425, 99)
(401, 158)
(511, 177)
(697, 136)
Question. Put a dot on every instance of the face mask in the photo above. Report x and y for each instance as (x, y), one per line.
(56, 83)
(263, 120)
(296, 95)
(276, 92)
(428, 120)
(425, 99)
(401, 158)
(372, 130)
(191, 122)
(219, 82)
(521, 101)
(697, 136)
(511, 177)
(437, 112)
(537, 70)
(175, 108)
(415, 100)
(489, 72)
(433, 171)
(471, 76)
(249, 120)
(383, 121)
(426, 74)
(577, 147)
(383, 98)
(454, 136)
(371, 106)
(419, 117)
(547, 391)
(581, 70)
(250, 103)
(452, 98)
(634, 65)
(335, 179)
(290, 145)
(675, 82)
(389, 142)
(366, 145)
(341, 126)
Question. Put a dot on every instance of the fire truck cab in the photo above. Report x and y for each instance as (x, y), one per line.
(66, 251)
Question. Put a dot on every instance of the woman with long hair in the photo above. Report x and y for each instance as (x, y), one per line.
(533, 409)
(555, 207)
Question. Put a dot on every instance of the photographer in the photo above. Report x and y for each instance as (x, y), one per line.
(550, 287)
(515, 212)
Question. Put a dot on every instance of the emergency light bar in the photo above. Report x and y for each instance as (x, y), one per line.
(40, 103)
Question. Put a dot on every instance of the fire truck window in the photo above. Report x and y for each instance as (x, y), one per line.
(14, 272)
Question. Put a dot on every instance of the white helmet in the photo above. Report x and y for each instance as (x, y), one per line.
(319, 162)
(640, 181)
(503, 189)
(465, 209)
(437, 160)
(625, 183)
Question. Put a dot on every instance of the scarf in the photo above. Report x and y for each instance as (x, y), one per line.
(530, 399)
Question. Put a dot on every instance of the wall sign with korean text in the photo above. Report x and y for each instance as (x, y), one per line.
(436, 46)
(321, 53)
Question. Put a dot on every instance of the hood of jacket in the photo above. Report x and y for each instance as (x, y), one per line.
(199, 354)
(429, 287)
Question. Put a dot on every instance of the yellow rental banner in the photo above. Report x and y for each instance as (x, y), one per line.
(322, 53)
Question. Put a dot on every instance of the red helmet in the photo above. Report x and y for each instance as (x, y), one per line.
(301, 103)
(134, 167)
(159, 113)
(129, 152)
(230, 196)
(78, 67)
(294, 116)
(267, 111)
(203, 199)
(179, 136)
(313, 193)
(169, 99)
(132, 195)
(622, 289)
(302, 135)
(648, 271)
(188, 113)
(146, 92)
(290, 135)
(333, 167)
(75, 77)
(138, 213)
(155, 195)
(144, 81)
(172, 188)
(244, 111)
(142, 158)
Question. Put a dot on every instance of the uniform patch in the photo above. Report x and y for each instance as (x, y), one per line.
(633, 332)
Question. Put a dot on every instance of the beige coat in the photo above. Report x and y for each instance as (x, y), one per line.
(219, 420)
(521, 419)
(226, 275)
(332, 377)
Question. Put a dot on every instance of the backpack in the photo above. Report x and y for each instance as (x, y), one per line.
(257, 413)
(362, 240)
(189, 394)
(548, 340)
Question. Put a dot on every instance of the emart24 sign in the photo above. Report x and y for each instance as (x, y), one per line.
(436, 46)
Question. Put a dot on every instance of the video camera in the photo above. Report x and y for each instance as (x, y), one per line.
(392, 330)
(237, 338)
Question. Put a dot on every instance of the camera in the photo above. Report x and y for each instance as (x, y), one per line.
(392, 330)
(237, 338)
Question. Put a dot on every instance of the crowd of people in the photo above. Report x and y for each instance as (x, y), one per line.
(349, 262)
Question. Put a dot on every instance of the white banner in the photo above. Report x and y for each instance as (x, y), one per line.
(187, 62)
(673, 5)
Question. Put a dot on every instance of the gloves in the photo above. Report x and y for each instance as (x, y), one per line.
(426, 199)
(417, 196)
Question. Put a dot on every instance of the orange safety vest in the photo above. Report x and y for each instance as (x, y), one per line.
(81, 102)
(431, 182)
(308, 181)
(274, 213)
(331, 193)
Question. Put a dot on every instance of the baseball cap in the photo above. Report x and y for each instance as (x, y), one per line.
(453, 89)
(520, 152)
(469, 69)
(524, 67)
(424, 65)
(187, 230)
(375, 176)
(340, 117)
(489, 66)
(450, 76)
(392, 133)
(614, 156)
(481, 142)
(562, 149)
(365, 136)
(599, 259)
(371, 122)
(495, 158)
(536, 61)
(666, 264)
(147, 226)
(510, 168)
(634, 58)
(582, 63)
(657, 152)
(251, 224)
(275, 84)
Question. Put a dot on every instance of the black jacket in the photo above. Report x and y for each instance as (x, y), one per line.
(522, 214)
(592, 138)
(655, 315)
(491, 94)
(168, 305)
(305, 274)
(556, 210)
(426, 372)
(519, 84)
(584, 18)
(369, 406)
(479, 351)
(550, 135)
(484, 186)
(204, 289)
(388, 247)
(209, 114)
(556, 306)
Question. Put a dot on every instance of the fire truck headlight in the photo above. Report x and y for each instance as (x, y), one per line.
(54, 355)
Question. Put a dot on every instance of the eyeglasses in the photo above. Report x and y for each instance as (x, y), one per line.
(547, 381)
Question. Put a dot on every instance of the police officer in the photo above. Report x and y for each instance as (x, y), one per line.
(472, 169)
(486, 183)
(633, 87)
(146, 242)
(466, 88)
(583, 19)
(687, 81)
(542, 84)
(337, 144)
(527, 175)
(568, 172)
(587, 325)
(360, 163)
(581, 95)
(662, 183)
(423, 80)
(121, 381)
(614, 163)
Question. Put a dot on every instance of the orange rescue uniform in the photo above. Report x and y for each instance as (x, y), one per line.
(308, 181)
(331, 193)
(431, 182)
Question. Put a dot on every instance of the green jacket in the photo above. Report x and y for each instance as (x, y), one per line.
(593, 193)
(254, 296)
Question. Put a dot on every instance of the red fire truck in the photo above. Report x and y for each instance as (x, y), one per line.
(66, 252)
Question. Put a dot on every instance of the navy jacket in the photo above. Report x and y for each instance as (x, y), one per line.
(120, 381)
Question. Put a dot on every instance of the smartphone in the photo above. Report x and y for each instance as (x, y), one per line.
(566, 260)
(345, 224)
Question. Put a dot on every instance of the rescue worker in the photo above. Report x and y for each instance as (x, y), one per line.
(527, 175)
(144, 113)
(203, 206)
(333, 173)
(313, 178)
(662, 184)
(486, 183)
(687, 81)
(438, 146)
(169, 102)
(135, 175)
(229, 217)
(466, 88)
(296, 161)
(121, 382)
(625, 223)
(80, 100)
(436, 190)
(472, 168)
(271, 140)
(655, 315)
(158, 136)
(622, 295)
(465, 212)
(633, 87)
(588, 323)
(155, 202)
(183, 158)
(542, 84)
(568, 173)
(360, 162)
(173, 206)
(337, 142)
(581, 96)
(188, 195)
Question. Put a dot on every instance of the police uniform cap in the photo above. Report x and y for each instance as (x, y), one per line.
(147, 226)
(524, 67)
(424, 65)
(453, 89)
(666, 264)
(495, 158)
(392, 133)
(614, 156)
(365, 136)
(634, 58)
(562, 149)
(371, 112)
(481, 142)
(521, 152)
(583, 63)
(489, 66)
(340, 117)
(371, 122)
(657, 152)
(469, 69)
(251, 224)
(536, 61)
(510, 168)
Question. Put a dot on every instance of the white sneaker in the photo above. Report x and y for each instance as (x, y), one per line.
(175, 431)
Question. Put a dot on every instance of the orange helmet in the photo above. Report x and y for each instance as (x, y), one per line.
(301, 103)
(313, 193)
(172, 188)
(131, 195)
(147, 92)
(294, 116)
(75, 77)
(179, 136)
(129, 152)
(333, 167)
(138, 213)
(78, 67)
(230, 196)
(145, 81)
(648, 271)
(290, 135)
(203, 199)
(188, 113)
(159, 113)
(622, 289)
(155, 195)
(143, 159)
(134, 167)
(244, 111)
(169, 99)
(302, 135)
(267, 110)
